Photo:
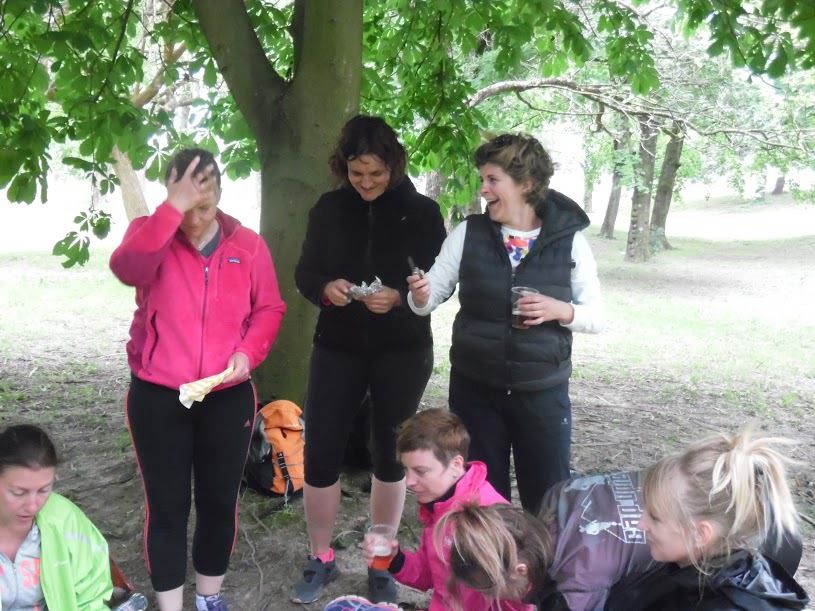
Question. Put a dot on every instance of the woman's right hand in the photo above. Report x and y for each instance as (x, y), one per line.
(368, 549)
(336, 292)
(192, 190)
(419, 287)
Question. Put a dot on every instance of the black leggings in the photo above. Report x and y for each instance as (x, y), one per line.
(207, 443)
(336, 386)
(535, 426)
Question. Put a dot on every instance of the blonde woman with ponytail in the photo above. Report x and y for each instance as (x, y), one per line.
(709, 511)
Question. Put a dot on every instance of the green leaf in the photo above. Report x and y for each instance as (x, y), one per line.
(74, 248)
(778, 65)
(22, 189)
(101, 227)
(210, 74)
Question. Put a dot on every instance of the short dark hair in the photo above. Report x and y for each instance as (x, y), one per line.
(523, 158)
(365, 135)
(435, 429)
(26, 445)
(183, 158)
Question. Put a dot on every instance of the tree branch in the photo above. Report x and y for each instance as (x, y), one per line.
(632, 106)
(171, 55)
(241, 60)
(116, 49)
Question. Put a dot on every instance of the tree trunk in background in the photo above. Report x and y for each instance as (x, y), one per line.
(132, 194)
(434, 184)
(607, 230)
(588, 194)
(779, 185)
(638, 247)
(295, 130)
(665, 188)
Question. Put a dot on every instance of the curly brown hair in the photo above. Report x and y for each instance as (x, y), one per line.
(366, 135)
(524, 159)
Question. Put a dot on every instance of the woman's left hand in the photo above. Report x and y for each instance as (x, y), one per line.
(240, 368)
(383, 301)
(538, 309)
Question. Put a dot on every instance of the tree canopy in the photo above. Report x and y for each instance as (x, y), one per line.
(267, 84)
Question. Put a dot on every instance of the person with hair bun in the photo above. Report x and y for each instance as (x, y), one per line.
(709, 513)
(511, 358)
(51, 555)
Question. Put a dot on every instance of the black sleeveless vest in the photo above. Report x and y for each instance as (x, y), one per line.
(485, 347)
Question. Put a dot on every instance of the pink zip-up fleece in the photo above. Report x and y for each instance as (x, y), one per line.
(193, 313)
(424, 569)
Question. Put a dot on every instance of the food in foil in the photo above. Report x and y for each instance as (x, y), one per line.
(365, 290)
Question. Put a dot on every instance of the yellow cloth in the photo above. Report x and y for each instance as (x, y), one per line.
(196, 391)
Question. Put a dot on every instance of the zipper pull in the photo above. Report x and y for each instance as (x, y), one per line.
(206, 275)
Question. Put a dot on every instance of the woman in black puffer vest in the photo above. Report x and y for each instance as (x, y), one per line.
(511, 363)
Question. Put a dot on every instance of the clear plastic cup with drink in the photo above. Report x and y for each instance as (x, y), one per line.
(379, 538)
(516, 293)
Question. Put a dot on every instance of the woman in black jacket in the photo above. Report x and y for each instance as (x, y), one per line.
(360, 233)
(708, 513)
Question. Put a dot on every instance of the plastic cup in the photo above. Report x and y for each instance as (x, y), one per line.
(379, 537)
(517, 317)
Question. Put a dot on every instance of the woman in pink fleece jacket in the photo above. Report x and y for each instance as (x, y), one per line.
(433, 446)
(207, 301)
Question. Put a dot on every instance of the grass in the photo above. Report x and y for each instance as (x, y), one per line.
(728, 319)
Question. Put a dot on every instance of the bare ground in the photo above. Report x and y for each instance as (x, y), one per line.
(69, 373)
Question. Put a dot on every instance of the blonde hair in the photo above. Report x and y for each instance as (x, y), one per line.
(738, 483)
(487, 543)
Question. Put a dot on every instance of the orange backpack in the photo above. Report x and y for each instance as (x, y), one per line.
(276, 456)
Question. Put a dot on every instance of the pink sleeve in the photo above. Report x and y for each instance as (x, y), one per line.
(144, 246)
(267, 308)
(415, 571)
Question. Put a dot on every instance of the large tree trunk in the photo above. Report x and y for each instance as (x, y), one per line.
(638, 247)
(665, 188)
(607, 230)
(296, 129)
(779, 185)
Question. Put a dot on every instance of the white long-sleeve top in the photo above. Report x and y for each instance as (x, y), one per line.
(587, 300)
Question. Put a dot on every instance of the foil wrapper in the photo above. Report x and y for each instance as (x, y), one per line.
(365, 290)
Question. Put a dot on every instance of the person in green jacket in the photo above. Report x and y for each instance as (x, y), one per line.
(52, 557)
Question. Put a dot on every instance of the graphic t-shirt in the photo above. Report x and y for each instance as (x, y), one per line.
(20, 580)
(518, 243)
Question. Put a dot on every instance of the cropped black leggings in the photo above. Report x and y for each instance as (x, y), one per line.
(174, 446)
(336, 386)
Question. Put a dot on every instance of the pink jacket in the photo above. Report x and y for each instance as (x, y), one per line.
(424, 569)
(193, 313)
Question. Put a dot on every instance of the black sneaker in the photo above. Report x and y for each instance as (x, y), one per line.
(316, 575)
(381, 587)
